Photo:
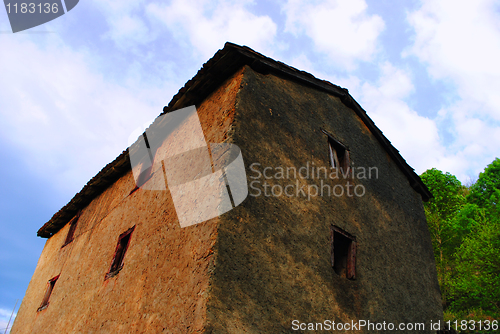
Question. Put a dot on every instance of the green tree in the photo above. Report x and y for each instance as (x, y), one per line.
(486, 191)
(465, 228)
(477, 283)
(446, 233)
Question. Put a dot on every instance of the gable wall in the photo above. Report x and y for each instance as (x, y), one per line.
(273, 252)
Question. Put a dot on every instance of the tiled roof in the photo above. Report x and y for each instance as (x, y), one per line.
(213, 73)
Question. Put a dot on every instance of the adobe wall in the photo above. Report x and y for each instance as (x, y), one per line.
(261, 265)
(163, 284)
(273, 253)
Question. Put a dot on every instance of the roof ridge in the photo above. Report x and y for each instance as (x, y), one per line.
(212, 73)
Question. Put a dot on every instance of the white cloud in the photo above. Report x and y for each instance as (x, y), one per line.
(461, 42)
(65, 119)
(128, 30)
(127, 27)
(207, 25)
(4, 320)
(461, 45)
(341, 29)
(415, 136)
(476, 138)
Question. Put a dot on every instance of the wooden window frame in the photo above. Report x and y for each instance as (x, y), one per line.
(338, 153)
(48, 292)
(145, 174)
(120, 251)
(346, 241)
(71, 233)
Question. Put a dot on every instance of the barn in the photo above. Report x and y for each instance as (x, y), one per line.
(329, 229)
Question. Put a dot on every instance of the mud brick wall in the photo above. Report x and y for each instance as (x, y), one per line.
(273, 253)
(164, 281)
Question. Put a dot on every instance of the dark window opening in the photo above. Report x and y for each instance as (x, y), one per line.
(121, 249)
(72, 227)
(343, 252)
(144, 176)
(339, 156)
(48, 292)
(146, 173)
(338, 153)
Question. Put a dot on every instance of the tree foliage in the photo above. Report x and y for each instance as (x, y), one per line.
(447, 191)
(465, 230)
(448, 199)
(477, 283)
(486, 191)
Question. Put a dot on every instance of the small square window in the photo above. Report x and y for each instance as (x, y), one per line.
(72, 228)
(121, 249)
(343, 252)
(48, 292)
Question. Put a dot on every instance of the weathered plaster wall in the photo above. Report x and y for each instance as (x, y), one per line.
(261, 265)
(273, 253)
(163, 284)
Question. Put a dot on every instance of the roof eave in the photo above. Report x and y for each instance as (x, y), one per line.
(217, 69)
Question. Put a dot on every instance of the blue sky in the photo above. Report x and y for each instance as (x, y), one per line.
(72, 90)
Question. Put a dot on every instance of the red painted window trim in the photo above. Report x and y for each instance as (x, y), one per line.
(48, 292)
(120, 251)
(71, 233)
